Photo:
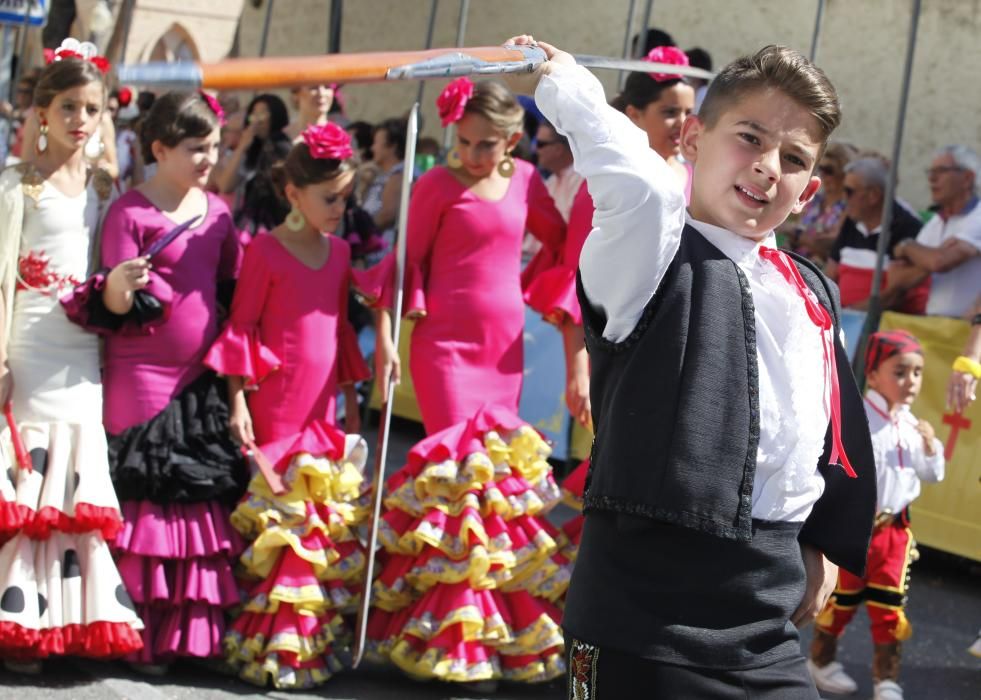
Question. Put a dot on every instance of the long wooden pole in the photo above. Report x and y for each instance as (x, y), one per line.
(283, 71)
(381, 454)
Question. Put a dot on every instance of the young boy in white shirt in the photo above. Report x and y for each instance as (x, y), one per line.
(721, 395)
(907, 451)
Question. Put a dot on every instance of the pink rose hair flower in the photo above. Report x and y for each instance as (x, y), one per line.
(667, 54)
(328, 141)
(215, 107)
(453, 100)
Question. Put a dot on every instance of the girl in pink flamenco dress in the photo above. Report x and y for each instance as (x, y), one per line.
(467, 579)
(174, 468)
(658, 103)
(286, 351)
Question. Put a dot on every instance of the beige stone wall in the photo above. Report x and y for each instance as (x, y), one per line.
(862, 48)
(210, 26)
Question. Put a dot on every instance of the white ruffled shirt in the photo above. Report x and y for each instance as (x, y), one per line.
(901, 461)
(637, 228)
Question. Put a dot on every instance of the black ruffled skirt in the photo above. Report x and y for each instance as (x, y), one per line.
(184, 454)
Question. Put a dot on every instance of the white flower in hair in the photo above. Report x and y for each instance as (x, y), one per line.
(73, 48)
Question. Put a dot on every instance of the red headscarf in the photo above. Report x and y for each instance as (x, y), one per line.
(885, 344)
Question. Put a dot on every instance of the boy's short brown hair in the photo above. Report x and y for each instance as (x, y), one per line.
(780, 68)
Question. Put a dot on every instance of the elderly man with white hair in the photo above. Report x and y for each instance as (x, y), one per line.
(853, 256)
(949, 246)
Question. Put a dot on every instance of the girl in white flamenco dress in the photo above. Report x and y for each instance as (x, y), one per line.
(60, 592)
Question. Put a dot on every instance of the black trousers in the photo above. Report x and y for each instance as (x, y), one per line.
(608, 674)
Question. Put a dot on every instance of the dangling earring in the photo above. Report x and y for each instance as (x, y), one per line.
(506, 167)
(295, 220)
(42, 138)
(453, 159)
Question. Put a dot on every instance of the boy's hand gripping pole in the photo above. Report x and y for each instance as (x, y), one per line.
(381, 454)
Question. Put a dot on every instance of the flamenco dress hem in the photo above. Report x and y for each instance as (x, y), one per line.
(176, 562)
(456, 596)
(304, 564)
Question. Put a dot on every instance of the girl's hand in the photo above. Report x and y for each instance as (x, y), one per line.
(526, 83)
(240, 420)
(129, 276)
(248, 136)
(387, 365)
(352, 411)
(927, 432)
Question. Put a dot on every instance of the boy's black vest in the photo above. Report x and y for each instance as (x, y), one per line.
(677, 413)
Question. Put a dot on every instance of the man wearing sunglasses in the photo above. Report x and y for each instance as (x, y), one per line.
(948, 248)
(852, 259)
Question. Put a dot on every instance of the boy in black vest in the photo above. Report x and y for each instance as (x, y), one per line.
(721, 394)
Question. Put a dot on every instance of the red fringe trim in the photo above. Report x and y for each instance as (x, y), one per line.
(87, 518)
(13, 516)
(98, 640)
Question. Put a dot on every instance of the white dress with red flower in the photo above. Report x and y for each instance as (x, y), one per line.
(60, 592)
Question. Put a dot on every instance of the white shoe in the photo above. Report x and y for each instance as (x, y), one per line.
(887, 690)
(975, 648)
(832, 678)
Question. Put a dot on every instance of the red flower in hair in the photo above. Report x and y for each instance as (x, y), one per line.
(667, 54)
(328, 141)
(102, 63)
(453, 100)
(215, 107)
(125, 96)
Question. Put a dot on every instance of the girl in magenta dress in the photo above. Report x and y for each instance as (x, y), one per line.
(174, 468)
(658, 103)
(287, 350)
(465, 589)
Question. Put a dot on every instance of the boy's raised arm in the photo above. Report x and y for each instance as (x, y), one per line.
(640, 205)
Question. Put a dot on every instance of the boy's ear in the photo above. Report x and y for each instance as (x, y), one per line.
(813, 185)
(691, 130)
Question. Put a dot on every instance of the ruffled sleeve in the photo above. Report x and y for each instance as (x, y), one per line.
(122, 239)
(549, 280)
(376, 286)
(239, 350)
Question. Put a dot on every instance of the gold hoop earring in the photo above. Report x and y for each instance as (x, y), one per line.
(453, 159)
(295, 220)
(42, 138)
(506, 167)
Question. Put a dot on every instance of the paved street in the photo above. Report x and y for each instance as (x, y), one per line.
(945, 611)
